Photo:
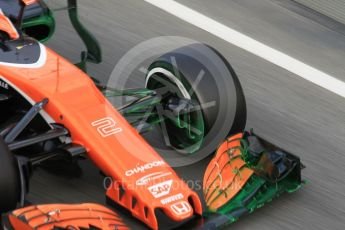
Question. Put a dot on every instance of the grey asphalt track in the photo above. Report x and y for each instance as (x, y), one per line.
(285, 109)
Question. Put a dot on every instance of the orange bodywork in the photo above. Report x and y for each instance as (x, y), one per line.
(29, 2)
(226, 174)
(7, 26)
(81, 216)
(112, 143)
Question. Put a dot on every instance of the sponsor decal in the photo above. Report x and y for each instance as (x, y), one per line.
(4, 85)
(143, 168)
(181, 208)
(172, 199)
(106, 126)
(151, 177)
(161, 189)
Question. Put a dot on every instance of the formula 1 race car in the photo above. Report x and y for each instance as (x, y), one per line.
(51, 109)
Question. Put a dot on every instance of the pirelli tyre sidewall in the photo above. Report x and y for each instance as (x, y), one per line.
(9, 179)
(219, 84)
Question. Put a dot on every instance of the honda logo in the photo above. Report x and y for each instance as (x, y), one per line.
(181, 208)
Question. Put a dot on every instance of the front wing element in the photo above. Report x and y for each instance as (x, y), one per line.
(246, 173)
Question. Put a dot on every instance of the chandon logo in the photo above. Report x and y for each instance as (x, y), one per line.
(106, 127)
(143, 168)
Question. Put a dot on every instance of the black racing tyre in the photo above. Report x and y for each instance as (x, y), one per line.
(9, 179)
(203, 75)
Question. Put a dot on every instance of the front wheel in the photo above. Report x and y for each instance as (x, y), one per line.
(9, 179)
(203, 96)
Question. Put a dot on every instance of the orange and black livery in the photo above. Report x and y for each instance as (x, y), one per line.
(51, 109)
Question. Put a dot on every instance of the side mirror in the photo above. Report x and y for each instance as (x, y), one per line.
(94, 51)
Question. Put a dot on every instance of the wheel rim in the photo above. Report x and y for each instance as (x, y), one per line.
(183, 129)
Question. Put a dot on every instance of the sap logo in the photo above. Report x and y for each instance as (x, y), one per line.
(172, 199)
(106, 127)
(4, 85)
(151, 177)
(181, 208)
(161, 189)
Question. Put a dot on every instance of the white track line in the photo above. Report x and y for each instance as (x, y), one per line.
(251, 45)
